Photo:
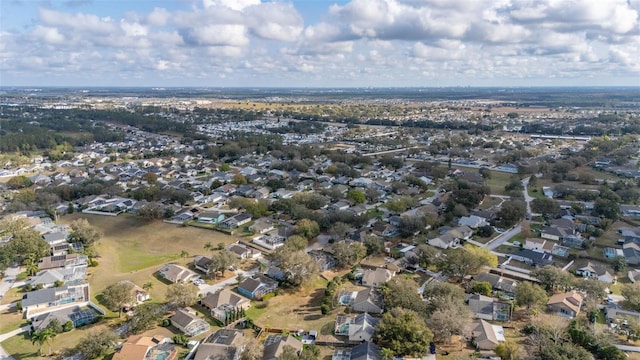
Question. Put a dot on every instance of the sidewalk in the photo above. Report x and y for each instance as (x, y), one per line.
(3, 354)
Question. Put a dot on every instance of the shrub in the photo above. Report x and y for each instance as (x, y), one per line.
(165, 322)
(324, 309)
(68, 326)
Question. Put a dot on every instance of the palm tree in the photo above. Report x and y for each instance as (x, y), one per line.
(184, 254)
(147, 286)
(43, 336)
(31, 264)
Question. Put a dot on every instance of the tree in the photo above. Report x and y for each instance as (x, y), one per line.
(481, 287)
(181, 295)
(288, 353)
(402, 292)
(485, 231)
(564, 351)
(508, 350)
(19, 182)
(184, 254)
(298, 266)
(553, 278)
(511, 212)
(43, 336)
(307, 228)
(296, 242)
(150, 178)
(310, 352)
(462, 262)
(549, 208)
(427, 255)
(404, 332)
(410, 225)
(224, 167)
(253, 349)
(631, 293)
(356, 196)
(374, 244)
(239, 179)
(145, 316)
(607, 208)
(530, 295)
(222, 260)
(619, 263)
(151, 211)
(96, 344)
(484, 255)
(450, 318)
(84, 232)
(115, 296)
(147, 286)
(339, 230)
(348, 253)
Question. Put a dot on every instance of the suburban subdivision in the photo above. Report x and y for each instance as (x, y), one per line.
(147, 224)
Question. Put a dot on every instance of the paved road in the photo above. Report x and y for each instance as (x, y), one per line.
(628, 348)
(504, 237)
(527, 198)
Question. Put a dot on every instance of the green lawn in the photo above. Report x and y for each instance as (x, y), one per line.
(498, 181)
(131, 249)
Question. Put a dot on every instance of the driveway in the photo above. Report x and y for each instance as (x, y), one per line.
(204, 289)
(504, 237)
(9, 278)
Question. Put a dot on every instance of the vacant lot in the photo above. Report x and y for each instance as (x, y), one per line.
(131, 249)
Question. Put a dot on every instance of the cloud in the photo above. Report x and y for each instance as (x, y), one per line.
(355, 42)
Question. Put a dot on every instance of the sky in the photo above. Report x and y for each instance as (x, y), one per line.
(319, 43)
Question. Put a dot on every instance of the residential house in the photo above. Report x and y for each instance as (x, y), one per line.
(376, 277)
(242, 251)
(369, 301)
(51, 299)
(274, 346)
(362, 327)
(140, 347)
(176, 273)
(224, 301)
(485, 335)
(63, 261)
(539, 245)
(203, 263)
(79, 316)
(472, 221)
(444, 241)
(140, 294)
(383, 229)
(488, 308)
(365, 351)
(617, 315)
(262, 225)
(597, 271)
(69, 276)
(210, 217)
(631, 251)
(236, 221)
(271, 240)
(566, 304)
(57, 237)
(188, 322)
(257, 286)
(505, 287)
(532, 258)
(223, 344)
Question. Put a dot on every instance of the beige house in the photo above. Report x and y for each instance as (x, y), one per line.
(376, 277)
(485, 335)
(566, 304)
(223, 301)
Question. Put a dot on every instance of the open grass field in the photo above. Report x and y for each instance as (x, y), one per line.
(20, 347)
(131, 249)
